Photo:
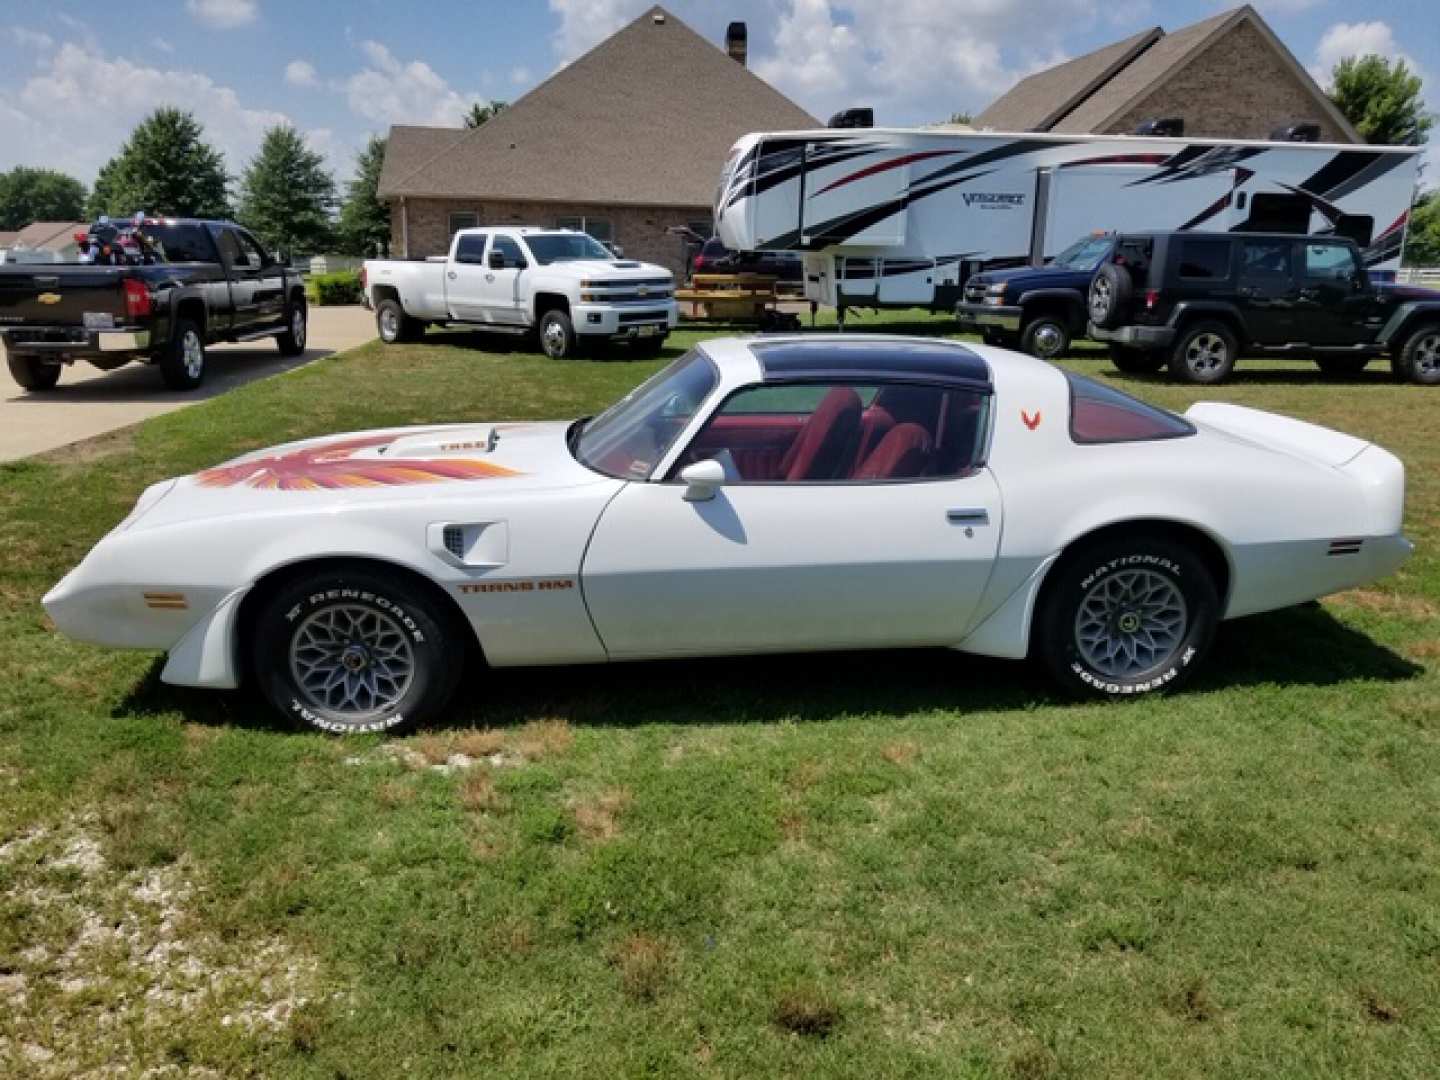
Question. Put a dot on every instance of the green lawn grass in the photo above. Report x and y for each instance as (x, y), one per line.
(868, 865)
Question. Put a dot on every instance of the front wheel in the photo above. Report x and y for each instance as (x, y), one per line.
(1204, 354)
(557, 335)
(292, 341)
(1126, 617)
(1419, 358)
(1133, 361)
(1045, 336)
(355, 650)
(31, 372)
(182, 364)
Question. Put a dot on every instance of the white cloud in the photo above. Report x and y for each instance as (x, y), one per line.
(1356, 39)
(585, 23)
(31, 39)
(301, 73)
(391, 91)
(78, 109)
(521, 76)
(223, 14)
(162, 44)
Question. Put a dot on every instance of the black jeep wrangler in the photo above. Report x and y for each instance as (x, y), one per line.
(1196, 301)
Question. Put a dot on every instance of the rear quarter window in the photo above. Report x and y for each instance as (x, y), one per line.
(1204, 258)
(1102, 414)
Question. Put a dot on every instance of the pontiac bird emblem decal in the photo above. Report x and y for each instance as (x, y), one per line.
(1031, 422)
(334, 465)
(49, 298)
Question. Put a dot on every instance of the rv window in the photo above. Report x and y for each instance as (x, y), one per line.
(1278, 213)
(1204, 258)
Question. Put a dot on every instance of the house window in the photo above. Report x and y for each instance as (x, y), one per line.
(599, 228)
(463, 219)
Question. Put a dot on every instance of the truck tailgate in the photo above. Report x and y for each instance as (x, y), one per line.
(60, 295)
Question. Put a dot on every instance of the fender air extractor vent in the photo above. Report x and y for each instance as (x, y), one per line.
(455, 541)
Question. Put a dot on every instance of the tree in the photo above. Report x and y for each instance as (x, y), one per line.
(961, 118)
(1382, 100)
(364, 219)
(286, 196)
(165, 167)
(481, 112)
(28, 195)
(1422, 239)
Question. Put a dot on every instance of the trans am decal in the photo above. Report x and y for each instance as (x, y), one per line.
(334, 465)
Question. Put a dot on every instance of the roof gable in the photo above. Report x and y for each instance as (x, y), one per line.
(1039, 100)
(644, 118)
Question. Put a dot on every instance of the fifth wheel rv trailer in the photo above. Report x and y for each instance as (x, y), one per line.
(900, 218)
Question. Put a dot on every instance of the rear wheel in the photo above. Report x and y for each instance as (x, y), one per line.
(393, 325)
(182, 364)
(1045, 336)
(355, 650)
(1419, 358)
(1126, 617)
(1133, 361)
(557, 335)
(292, 341)
(1204, 354)
(31, 372)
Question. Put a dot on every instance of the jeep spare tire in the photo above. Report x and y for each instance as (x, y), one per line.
(1110, 291)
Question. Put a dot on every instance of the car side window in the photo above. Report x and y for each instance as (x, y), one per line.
(471, 248)
(1265, 258)
(506, 246)
(229, 247)
(1102, 414)
(844, 432)
(250, 250)
(1204, 258)
(1330, 262)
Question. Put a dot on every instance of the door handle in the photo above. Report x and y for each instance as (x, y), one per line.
(968, 515)
(451, 275)
(489, 277)
(1310, 294)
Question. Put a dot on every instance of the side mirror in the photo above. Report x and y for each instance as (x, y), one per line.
(702, 480)
(497, 261)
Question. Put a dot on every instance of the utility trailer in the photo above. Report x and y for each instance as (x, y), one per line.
(901, 217)
(738, 299)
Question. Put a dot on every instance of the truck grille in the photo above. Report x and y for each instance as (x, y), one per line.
(642, 316)
(974, 292)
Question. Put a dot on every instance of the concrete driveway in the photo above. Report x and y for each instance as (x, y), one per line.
(90, 402)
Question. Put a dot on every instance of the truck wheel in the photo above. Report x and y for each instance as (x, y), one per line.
(292, 341)
(557, 335)
(31, 372)
(1204, 354)
(1126, 617)
(1419, 358)
(394, 325)
(351, 650)
(1110, 291)
(1045, 336)
(182, 364)
(1134, 361)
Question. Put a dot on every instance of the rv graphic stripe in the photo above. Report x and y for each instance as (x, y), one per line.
(1342, 167)
(1371, 172)
(985, 157)
(885, 166)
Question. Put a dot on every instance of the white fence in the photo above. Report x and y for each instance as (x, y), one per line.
(329, 264)
(1428, 276)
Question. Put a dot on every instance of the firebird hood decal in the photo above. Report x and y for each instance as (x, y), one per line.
(339, 465)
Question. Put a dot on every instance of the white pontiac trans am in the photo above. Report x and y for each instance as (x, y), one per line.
(757, 495)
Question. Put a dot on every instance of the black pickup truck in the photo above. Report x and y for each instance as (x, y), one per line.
(198, 282)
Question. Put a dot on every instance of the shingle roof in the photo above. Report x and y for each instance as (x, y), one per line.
(48, 234)
(7, 237)
(1038, 101)
(644, 118)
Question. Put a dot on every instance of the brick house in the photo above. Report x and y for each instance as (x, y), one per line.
(625, 143)
(1228, 76)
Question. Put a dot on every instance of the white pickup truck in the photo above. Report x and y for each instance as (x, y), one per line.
(565, 286)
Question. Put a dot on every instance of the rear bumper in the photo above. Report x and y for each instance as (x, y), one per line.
(625, 320)
(1005, 317)
(1146, 337)
(73, 341)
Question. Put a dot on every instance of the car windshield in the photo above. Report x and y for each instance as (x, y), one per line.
(628, 439)
(1084, 254)
(565, 247)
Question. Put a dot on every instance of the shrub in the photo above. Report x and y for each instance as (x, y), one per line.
(341, 287)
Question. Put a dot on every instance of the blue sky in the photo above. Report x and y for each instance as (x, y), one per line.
(75, 76)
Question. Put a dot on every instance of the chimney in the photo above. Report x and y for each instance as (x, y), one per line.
(735, 42)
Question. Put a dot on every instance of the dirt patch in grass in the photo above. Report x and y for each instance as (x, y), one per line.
(598, 816)
(478, 742)
(1192, 1003)
(113, 960)
(478, 793)
(1378, 1010)
(1405, 606)
(645, 964)
(1425, 650)
(543, 738)
(807, 1011)
(394, 793)
(902, 753)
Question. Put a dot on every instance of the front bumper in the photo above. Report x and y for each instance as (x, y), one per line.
(1003, 317)
(1145, 337)
(623, 321)
(73, 340)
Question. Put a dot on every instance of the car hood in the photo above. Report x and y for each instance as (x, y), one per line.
(371, 467)
(605, 269)
(1034, 277)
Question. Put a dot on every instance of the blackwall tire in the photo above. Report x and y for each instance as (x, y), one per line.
(350, 651)
(1204, 354)
(1045, 336)
(1419, 358)
(394, 326)
(182, 364)
(1147, 603)
(31, 373)
(297, 330)
(1110, 291)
